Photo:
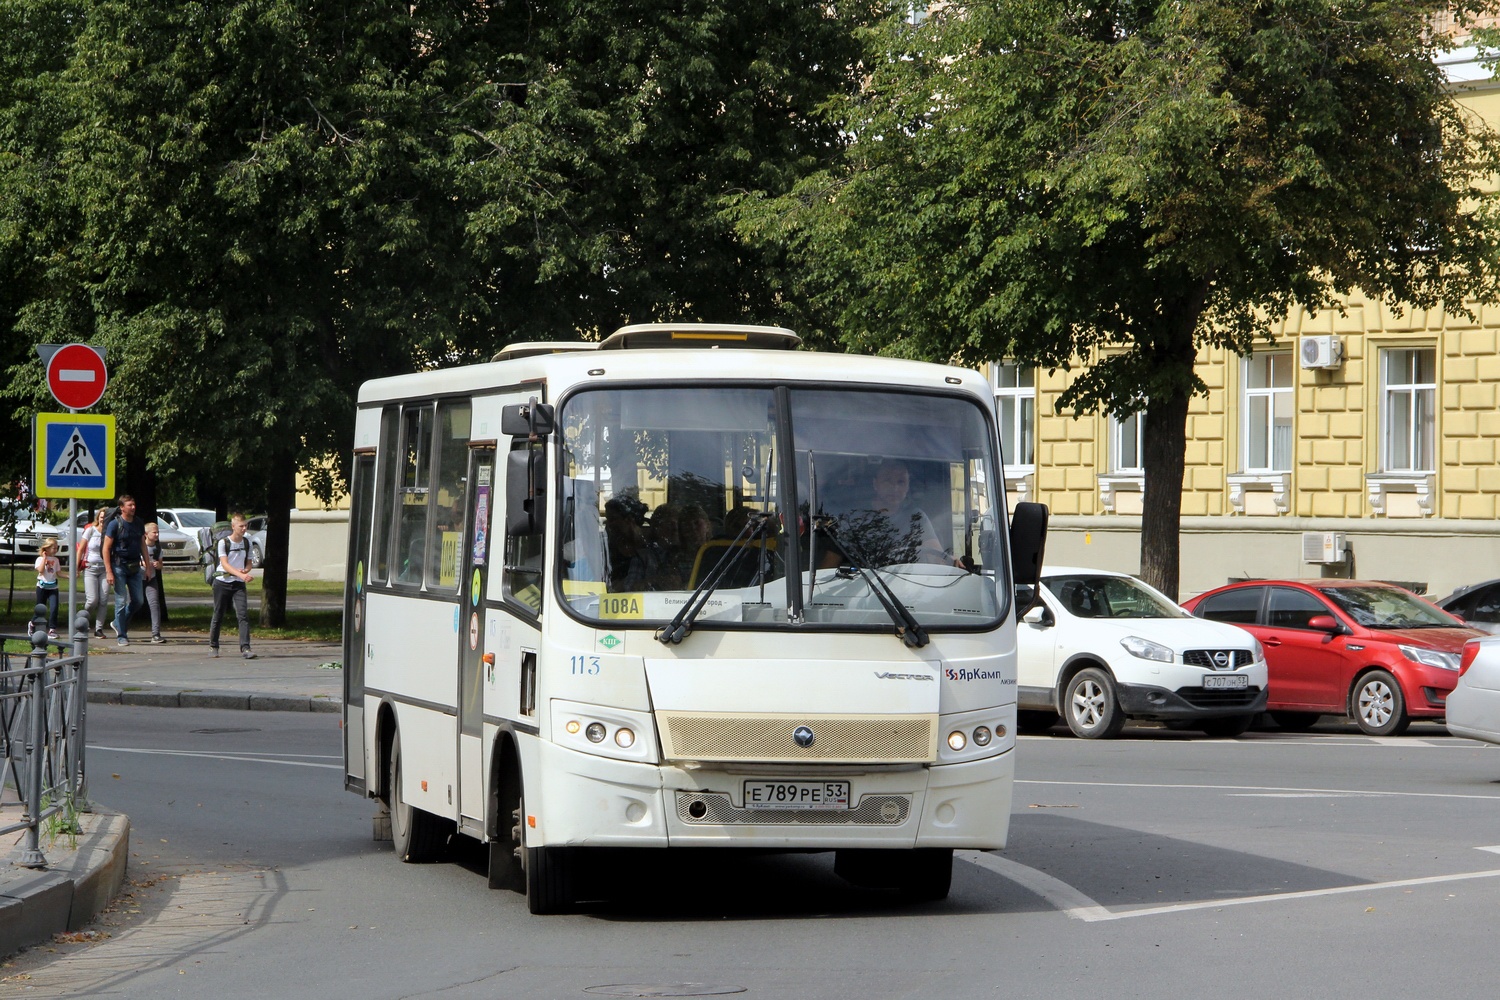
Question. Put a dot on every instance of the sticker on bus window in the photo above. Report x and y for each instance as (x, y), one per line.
(622, 605)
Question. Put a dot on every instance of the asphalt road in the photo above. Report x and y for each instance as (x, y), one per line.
(1321, 865)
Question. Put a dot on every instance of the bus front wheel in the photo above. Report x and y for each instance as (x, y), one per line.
(416, 834)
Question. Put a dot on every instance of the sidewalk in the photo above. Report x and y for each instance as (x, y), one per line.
(84, 873)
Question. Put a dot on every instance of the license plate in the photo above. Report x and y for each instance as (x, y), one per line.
(796, 795)
(1226, 682)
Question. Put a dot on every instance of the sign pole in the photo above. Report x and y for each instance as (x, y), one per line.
(72, 562)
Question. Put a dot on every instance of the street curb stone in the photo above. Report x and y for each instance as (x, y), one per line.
(34, 905)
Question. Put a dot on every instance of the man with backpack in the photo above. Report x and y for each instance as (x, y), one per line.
(121, 552)
(233, 553)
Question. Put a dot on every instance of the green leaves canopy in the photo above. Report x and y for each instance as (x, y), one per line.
(1045, 180)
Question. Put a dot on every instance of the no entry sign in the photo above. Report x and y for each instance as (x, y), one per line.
(76, 376)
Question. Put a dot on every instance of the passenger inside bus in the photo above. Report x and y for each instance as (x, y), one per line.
(886, 526)
(637, 561)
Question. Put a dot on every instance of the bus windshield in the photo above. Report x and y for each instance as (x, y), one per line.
(788, 506)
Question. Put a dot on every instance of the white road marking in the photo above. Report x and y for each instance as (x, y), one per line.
(1073, 903)
(1246, 789)
(259, 759)
(1054, 890)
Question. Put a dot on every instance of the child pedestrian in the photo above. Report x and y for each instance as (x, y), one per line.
(151, 565)
(47, 567)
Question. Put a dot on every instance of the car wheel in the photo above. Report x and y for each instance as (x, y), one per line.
(1092, 710)
(1227, 728)
(1379, 708)
(1295, 722)
(416, 834)
(1035, 720)
(255, 557)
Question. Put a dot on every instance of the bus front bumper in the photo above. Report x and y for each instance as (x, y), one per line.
(585, 800)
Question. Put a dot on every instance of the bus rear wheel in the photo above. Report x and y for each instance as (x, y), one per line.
(417, 835)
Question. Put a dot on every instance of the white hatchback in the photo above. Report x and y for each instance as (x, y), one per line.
(1101, 647)
(1473, 707)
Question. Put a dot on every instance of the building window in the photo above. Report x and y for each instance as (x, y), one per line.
(1015, 402)
(1408, 405)
(1268, 408)
(1126, 445)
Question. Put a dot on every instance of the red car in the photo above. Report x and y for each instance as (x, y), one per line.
(1373, 651)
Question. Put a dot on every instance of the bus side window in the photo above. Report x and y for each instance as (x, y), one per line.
(385, 497)
(524, 555)
(450, 502)
(414, 493)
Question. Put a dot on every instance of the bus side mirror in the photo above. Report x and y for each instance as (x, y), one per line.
(525, 491)
(531, 419)
(1028, 539)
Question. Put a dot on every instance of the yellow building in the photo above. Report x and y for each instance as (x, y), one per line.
(1363, 444)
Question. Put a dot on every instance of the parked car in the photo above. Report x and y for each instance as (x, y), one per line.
(1101, 647)
(1477, 604)
(22, 531)
(1372, 651)
(1474, 705)
(255, 530)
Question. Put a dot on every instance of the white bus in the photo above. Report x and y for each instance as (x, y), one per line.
(689, 587)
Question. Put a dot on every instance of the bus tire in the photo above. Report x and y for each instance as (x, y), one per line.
(549, 880)
(507, 867)
(417, 835)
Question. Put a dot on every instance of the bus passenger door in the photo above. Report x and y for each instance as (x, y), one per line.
(361, 511)
(480, 503)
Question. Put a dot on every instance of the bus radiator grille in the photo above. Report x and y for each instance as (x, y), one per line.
(835, 739)
(873, 810)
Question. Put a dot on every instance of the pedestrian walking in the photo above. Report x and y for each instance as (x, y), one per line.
(229, 585)
(151, 566)
(91, 558)
(122, 566)
(47, 567)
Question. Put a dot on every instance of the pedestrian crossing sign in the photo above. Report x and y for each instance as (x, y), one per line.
(74, 456)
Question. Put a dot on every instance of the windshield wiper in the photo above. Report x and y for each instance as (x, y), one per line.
(678, 628)
(907, 627)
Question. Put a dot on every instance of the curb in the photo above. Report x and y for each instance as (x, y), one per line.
(34, 905)
(198, 698)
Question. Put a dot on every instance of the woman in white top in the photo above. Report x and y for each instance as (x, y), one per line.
(98, 600)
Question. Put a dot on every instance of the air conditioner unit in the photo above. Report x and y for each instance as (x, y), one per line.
(1323, 546)
(1322, 352)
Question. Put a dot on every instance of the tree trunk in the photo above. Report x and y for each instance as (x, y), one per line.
(281, 495)
(1166, 440)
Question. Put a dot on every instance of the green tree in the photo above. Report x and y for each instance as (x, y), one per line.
(254, 207)
(1128, 183)
(674, 105)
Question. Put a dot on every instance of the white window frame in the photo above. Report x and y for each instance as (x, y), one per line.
(1119, 430)
(1021, 442)
(1420, 435)
(1272, 394)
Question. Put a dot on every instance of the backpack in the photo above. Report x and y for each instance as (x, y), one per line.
(208, 544)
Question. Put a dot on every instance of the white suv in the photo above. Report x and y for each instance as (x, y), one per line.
(1100, 647)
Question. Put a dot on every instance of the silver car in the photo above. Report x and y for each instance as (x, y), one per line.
(1473, 707)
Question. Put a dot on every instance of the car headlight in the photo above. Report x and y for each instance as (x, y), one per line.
(1430, 657)
(1257, 651)
(1147, 650)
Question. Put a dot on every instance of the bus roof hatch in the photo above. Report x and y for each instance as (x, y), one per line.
(658, 335)
(511, 352)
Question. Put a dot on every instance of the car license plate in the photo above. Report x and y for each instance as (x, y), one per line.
(796, 795)
(1226, 682)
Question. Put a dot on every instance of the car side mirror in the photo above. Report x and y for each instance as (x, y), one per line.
(1325, 623)
(1037, 616)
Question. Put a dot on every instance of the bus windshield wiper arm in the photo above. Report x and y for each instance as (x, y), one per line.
(678, 628)
(907, 627)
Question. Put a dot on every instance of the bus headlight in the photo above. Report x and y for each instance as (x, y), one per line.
(605, 732)
(975, 735)
(982, 736)
(957, 741)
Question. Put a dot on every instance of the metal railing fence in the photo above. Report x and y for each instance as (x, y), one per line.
(42, 713)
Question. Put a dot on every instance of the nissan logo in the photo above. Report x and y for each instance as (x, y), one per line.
(803, 736)
(1221, 659)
